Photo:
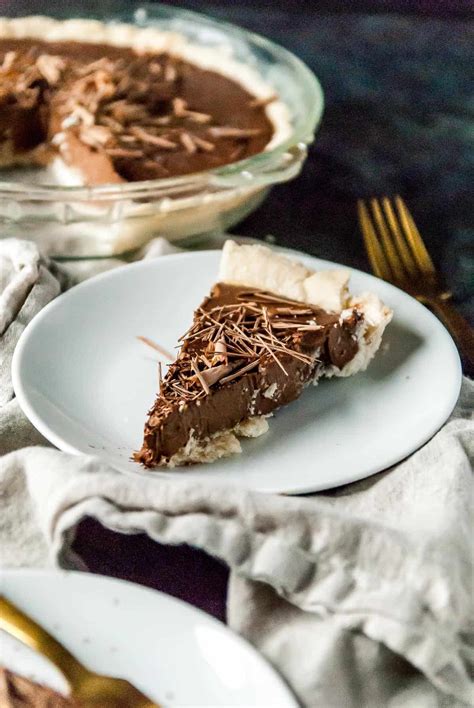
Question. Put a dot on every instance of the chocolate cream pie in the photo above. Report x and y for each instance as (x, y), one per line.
(112, 103)
(19, 692)
(269, 328)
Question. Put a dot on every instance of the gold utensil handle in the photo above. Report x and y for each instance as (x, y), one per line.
(460, 329)
(16, 623)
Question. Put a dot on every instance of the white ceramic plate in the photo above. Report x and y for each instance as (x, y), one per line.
(86, 382)
(174, 653)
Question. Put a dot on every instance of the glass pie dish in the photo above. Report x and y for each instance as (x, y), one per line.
(113, 219)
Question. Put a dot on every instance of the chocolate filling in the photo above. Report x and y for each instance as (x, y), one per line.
(122, 116)
(246, 354)
(17, 691)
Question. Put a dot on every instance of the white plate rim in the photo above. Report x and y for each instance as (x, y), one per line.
(57, 440)
(179, 604)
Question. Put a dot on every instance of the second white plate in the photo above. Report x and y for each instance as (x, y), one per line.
(173, 652)
(86, 382)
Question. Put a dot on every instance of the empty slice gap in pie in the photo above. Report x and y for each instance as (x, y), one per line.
(269, 327)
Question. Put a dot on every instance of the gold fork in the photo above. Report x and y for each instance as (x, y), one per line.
(90, 689)
(397, 253)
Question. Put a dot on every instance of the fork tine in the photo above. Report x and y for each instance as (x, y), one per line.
(414, 239)
(387, 243)
(374, 251)
(400, 242)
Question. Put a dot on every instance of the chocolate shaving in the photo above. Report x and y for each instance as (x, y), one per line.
(262, 102)
(123, 152)
(50, 67)
(28, 97)
(220, 347)
(154, 68)
(216, 373)
(156, 347)
(240, 372)
(95, 135)
(160, 375)
(78, 115)
(293, 311)
(230, 132)
(8, 61)
(162, 120)
(199, 376)
(284, 324)
(203, 144)
(198, 117)
(124, 111)
(239, 355)
(272, 354)
(179, 107)
(155, 166)
(103, 63)
(111, 123)
(170, 73)
(152, 139)
(237, 153)
(188, 143)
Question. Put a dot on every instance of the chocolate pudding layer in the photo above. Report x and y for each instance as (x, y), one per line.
(247, 353)
(115, 115)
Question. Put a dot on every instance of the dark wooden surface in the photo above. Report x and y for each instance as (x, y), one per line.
(398, 80)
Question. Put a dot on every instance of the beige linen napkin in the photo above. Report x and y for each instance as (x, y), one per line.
(360, 597)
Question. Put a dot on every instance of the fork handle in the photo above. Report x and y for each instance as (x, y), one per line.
(16, 623)
(460, 329)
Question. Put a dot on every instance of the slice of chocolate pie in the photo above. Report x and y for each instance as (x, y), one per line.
(110, 103)
(269, 327)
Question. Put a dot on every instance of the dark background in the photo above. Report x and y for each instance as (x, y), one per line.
(398, 79)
